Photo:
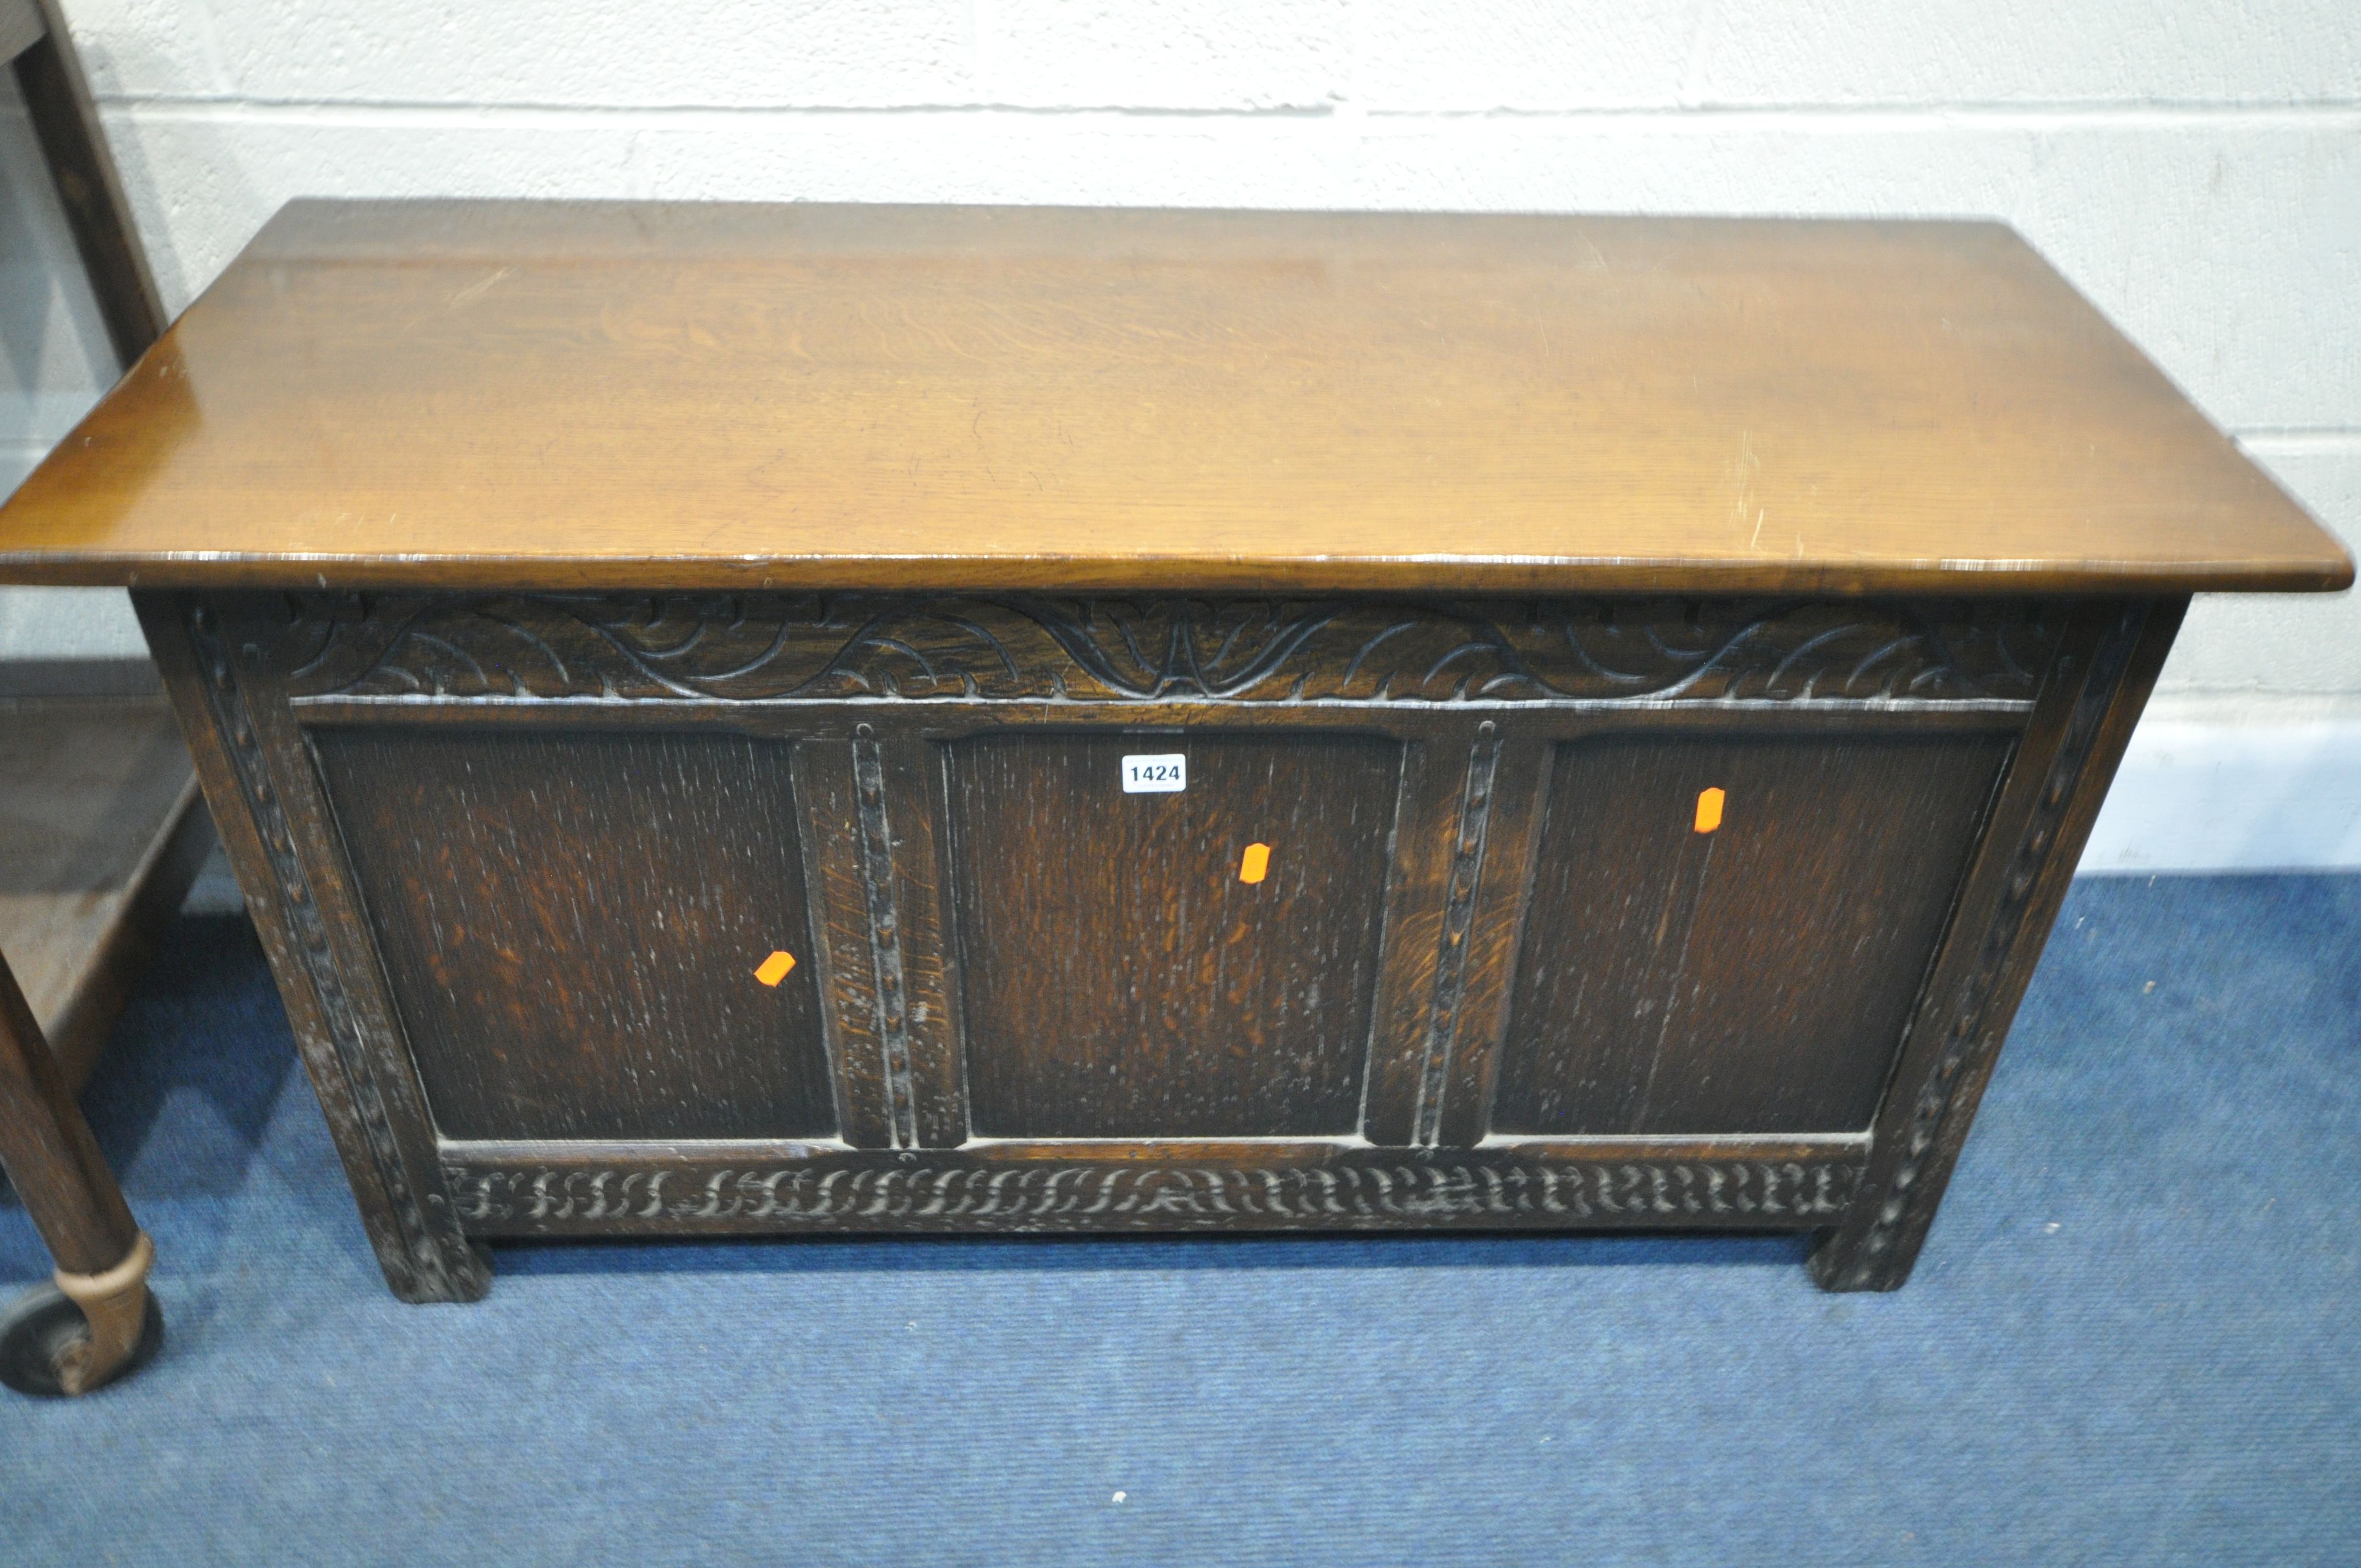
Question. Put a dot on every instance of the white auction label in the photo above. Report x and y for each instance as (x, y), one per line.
(1154, 775)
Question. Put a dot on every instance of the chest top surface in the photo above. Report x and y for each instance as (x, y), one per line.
(566, 395)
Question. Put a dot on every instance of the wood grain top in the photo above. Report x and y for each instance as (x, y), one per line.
(551, 395)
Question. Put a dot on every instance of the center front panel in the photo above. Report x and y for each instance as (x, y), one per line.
(1131, 970)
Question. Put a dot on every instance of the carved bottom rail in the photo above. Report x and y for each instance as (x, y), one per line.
(853, 1191)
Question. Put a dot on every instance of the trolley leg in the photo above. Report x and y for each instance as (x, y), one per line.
(98, 1320)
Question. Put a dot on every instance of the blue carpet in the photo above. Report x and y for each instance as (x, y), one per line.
(2135, 1337)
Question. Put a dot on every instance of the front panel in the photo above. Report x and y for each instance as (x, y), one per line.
(1436, 933)
(571, 926)
(1134, 965)
(1727, 934)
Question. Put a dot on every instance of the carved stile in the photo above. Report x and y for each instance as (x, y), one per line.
(436, 1263)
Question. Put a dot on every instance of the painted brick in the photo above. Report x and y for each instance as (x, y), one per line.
(54, 354)
(1534, 55)
(2029, 51)
(1162, 54)
(1522, 54)
(144, 48)
(714, 53)
(2205, 789)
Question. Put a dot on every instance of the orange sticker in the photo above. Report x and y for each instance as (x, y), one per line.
(1255, 863)
(774, 969)
(1708, 817)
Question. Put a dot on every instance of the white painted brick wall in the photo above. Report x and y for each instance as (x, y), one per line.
(2193, 165)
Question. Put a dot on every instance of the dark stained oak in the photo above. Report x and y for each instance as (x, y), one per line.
(571, 926)
(1754, 978)
(540, 1190)
(513, 395)
(1121, 980)
(2071, 746)
(1040, 1002)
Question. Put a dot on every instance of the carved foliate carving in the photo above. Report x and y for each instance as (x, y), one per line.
(1049, 1196)
(745, 648)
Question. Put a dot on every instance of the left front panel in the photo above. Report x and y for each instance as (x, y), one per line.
(571, 925)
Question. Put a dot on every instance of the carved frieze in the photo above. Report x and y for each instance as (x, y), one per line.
(750, 648)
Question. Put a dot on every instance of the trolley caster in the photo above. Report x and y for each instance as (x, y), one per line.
(79, 1335)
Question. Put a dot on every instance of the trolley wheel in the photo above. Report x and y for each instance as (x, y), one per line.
(39, 1331)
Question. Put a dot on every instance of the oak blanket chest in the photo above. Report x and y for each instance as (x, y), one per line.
(841, 718)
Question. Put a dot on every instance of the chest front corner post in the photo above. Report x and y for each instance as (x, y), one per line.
(2091, 700)
(220, 658)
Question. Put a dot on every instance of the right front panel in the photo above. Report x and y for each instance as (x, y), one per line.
(1682, 976)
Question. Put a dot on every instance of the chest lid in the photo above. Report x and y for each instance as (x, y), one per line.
(646, 396)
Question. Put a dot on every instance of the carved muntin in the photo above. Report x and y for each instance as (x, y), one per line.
(871, 703)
